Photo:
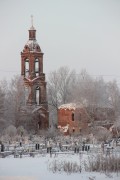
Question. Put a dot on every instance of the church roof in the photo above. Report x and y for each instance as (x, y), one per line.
(71, 106)
(68, 106)
(33, 45)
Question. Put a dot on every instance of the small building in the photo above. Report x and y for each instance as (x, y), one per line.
(75, 118)
(72, 119)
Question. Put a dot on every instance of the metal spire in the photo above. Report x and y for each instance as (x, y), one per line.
(32, 20)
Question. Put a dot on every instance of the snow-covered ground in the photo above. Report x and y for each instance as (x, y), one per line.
(37, 168)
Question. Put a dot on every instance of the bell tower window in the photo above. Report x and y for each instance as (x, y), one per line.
(37, 67)
(37, 95)
(26, 67)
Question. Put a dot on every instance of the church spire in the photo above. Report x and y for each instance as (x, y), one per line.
(32, 31)
(31, 20)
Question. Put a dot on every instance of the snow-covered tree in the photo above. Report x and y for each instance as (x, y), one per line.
(15, 98)
(59, 85)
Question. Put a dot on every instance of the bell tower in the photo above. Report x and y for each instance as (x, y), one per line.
(34, 79)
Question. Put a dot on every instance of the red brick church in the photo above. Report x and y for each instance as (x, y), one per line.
(75, 118)
(35, 114)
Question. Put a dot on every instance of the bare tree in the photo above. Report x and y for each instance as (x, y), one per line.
(15, 98)
(11, 131)
(2, 108)
(116, 127)
(114, 97)
(102, 134)
(2, 96)
(90, 91)
(60, 84)
(93, 94)
(21, 131)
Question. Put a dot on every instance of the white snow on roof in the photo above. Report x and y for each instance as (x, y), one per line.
(71, 106)
(68, 106)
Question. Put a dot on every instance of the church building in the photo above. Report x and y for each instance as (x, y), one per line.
(35, 114)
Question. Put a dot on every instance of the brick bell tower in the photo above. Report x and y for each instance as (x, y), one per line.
(34, 81)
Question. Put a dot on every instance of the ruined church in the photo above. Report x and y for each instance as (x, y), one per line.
(34, 115)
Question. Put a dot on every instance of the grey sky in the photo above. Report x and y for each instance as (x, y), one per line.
(77, 33)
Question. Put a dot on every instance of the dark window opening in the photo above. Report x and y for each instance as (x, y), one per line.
(39, 124)
(73, 117)
(73, 130)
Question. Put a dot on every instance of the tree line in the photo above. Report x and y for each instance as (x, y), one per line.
(63, 86)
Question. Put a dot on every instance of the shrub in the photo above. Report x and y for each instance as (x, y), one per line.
(11, 131)
(64, 166)
(21, 131)
(103, 163)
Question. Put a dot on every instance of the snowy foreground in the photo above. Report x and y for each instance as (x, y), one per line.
(37, 168)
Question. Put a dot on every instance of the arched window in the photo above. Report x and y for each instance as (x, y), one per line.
(37, 95)
(27, 67)
(73, 129)
(39, 124)
(37, 67)
(73, 116)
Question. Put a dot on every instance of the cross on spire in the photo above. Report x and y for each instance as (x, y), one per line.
(32, 20)
(32, 31)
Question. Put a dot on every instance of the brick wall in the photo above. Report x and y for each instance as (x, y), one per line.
(76, 119)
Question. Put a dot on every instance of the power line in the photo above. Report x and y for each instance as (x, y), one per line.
(7, 71)
(77, 74)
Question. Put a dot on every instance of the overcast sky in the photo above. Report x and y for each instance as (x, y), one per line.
(80, 34)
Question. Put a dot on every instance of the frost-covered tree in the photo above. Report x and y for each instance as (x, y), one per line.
(15, 98)
(102, 134)
(2, 98)
(116, 127)
(11, 131)
(60, 84)
(2, 107)
(113, 92)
